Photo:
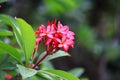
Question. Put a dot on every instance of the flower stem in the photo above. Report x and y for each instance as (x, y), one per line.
(40, 60)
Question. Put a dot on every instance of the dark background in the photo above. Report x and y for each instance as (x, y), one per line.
(96, 24)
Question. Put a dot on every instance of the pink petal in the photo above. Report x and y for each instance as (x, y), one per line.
(50, 36)
(48, 28)
(57, 39)
(60, 45)
(65, 47)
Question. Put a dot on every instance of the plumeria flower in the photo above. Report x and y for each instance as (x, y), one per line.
(8, 76)
(55, 37)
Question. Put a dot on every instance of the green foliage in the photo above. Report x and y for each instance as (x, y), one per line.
(84, 79)
(46, 65)
(1, 1)
(77, 71)
(60, 6)
(112, 51)
(63, 74)
(27, 37)
(86, 36)
(12, 23)
(2, 75)
(5, 33)
(58, 54)
(26, 72)
(24, 34)
(110, 29)
(10, 50)
(48, 74)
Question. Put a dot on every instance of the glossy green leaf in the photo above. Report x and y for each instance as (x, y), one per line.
(26, 72)
(41, 76)
(77, 71)
(45, 75)
(48, 76)
(5, 33)
(63, 74)
(10, 50)
(12, 23)
(28, 38)
(58, 54)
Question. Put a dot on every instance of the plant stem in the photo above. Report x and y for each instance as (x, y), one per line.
(33, 54)
(40, 60)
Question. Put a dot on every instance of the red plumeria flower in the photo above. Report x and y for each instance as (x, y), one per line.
(55, 37)
(8, 76)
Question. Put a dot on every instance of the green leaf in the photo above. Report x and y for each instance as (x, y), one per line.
(84, 79)
(10, 50)
(33, 78)
(26, 72)
(45, 75)
(12, 23)
(48, 76)
(23, 32)
(5, 33)
(77, 71)
(46, 65)
(8, 61)
(63, 74)
(28, 38)
(58, 54)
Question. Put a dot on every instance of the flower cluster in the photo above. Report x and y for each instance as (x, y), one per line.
(55, 36)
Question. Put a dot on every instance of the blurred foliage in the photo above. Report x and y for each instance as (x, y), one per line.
(1, 1)
(55, 7)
